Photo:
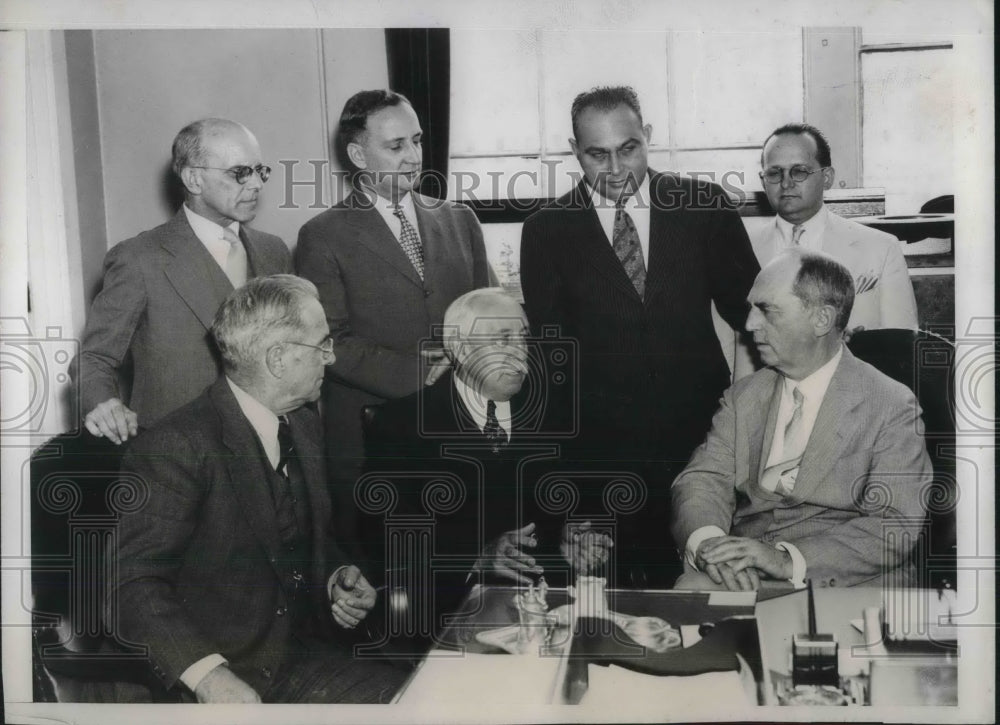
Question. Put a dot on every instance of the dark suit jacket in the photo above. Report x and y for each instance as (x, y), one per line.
(197, 570)
(652, 369)
(859, 497)
(160, 294)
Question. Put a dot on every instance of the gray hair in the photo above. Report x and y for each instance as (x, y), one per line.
(461, 315)
(189, 144)
(822, 280)
(255, 315)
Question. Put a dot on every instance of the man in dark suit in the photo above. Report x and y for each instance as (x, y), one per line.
(161, 289)
(815, 466)
(629, 264)
(387, 262)
(464, 453)
(227, 570)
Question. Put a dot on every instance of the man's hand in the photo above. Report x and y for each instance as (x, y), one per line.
(221, 685)
(743, 554)
(113, 420)
(439, 363)
(351, 597)
(505, 557)
(585, 550)
(747, 580)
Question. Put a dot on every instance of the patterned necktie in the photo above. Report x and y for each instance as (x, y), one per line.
(627, 248)
(409, 240)
(797, 231)
(236, 259)
(493, 431)
(781, 476)
(288, 467)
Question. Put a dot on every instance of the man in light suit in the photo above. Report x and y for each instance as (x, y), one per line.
(815, 466)
(883, 294)
(387, 262)
(226, 567)
(634, 284)
(161, 289)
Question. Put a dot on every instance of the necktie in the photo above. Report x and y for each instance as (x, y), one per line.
(493, 431)
(781, 476)
(409, 240)
(797, 231)
(288, 467)
(236, 259)
(628, 250)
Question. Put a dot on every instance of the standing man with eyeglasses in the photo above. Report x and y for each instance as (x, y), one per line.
(387, 262)
(629, 264)
(796, 171)
(162, 288)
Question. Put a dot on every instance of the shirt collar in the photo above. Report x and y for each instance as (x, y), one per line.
(813, 387)
(638, 200)
(262, 419)
(813, 227)
(205, 229)
(476, 405)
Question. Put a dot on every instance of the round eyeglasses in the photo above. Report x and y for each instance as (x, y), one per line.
(242, 173)
(776, 174)
(325, 347)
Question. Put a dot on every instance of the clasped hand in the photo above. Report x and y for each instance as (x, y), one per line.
(351, 597)
(505, 555)
(584, 549)
(738, 563)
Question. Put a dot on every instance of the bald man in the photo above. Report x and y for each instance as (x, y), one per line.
(162, 288)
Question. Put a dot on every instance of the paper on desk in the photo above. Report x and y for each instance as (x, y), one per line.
(481, 679)
(660, 695)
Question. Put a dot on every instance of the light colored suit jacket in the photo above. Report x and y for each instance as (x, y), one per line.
(858, 501)
(160, 294)
(883, 292)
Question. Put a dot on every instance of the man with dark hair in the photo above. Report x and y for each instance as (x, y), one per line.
(816, 465)
(162, 288)
(227, 571)
(629, 264)
(795, 170)
(387, 262)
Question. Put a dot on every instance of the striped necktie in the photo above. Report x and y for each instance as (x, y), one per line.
(781, 476)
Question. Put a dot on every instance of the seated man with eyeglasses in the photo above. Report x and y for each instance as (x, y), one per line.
(796, 169)
(161, 289)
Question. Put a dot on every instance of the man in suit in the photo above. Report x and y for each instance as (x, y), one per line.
(815, 466)
(387, 262)
(161, 289)
(481, 428)
(629, 264)
(227, 570)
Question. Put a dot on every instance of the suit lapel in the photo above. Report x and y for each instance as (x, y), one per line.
(247, 477)
(191, 271)
(762, 412)
(591, 244)
(371, 231)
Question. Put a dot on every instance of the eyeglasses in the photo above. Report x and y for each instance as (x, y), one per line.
(325, 347)
(242, 173)
(775, 174)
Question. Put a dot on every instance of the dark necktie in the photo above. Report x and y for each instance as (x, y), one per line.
(627, 248)
(409, 240)
(493, 431)
(288, 468)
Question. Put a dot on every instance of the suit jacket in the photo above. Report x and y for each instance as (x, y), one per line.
(199, 557)
(377, 307)
(652, 368)
(160, 294)
(883, 292)
(858, 500)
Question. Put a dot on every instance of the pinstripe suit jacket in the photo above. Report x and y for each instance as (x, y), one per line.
(652, 369)
(859, 497)
(160, 293)
(197, 571)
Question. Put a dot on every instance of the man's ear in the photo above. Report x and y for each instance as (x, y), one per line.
(275, 360)
(647, 131)
(191, 178)
(829, 173)
(356, 153)
(823, 318)
(572, 145)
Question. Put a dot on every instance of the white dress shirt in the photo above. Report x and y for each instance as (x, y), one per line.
(812, 233)
(385, 208)
(637, 207)
(210, 234)
(813, 389)
(476, 405)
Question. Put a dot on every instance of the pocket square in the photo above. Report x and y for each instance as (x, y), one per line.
(865, 282)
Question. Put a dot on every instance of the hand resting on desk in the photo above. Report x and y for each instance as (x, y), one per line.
(738, 563)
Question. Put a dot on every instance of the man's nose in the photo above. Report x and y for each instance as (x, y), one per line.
(753, 320)
(786, 179)
(616, 164)
(413, 153)
(254, 181)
